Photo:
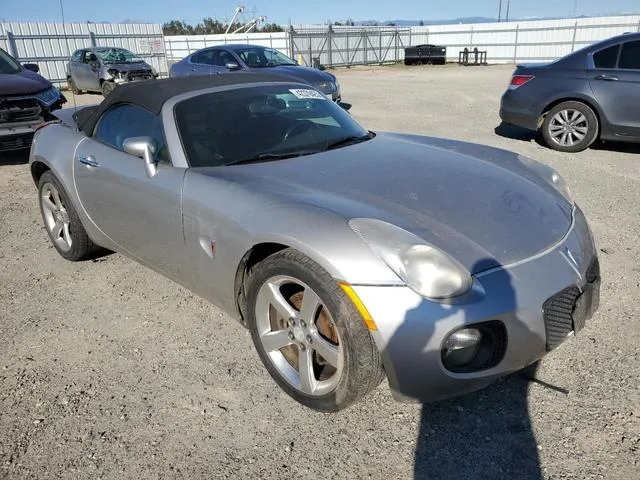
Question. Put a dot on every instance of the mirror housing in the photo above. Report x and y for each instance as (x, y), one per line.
(232, 66)
(145, 148)
(344, 105)
(31, 66)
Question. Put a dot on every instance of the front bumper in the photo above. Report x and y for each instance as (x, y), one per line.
(412, 330)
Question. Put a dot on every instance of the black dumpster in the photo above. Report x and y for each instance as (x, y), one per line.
(424, 54)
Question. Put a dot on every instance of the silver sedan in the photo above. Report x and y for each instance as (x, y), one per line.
(350, 255)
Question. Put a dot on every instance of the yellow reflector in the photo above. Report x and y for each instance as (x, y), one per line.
(364, 313)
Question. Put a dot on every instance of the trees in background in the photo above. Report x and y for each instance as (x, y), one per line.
(211, 26)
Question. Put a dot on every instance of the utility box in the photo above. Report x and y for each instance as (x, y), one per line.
(425, 54)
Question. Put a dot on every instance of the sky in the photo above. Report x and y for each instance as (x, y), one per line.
(283, 11)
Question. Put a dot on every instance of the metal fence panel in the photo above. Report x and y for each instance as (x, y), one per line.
(504, 42)
(51, 44)
(179, 46)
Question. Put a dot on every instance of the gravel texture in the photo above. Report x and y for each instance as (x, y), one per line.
(108, 370)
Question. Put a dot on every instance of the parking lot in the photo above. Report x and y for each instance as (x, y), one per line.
(108, 370)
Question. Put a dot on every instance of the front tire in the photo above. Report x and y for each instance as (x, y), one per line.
(72, 86)
(310, 338)
(61, 221)
(107, 88)
(570, 127)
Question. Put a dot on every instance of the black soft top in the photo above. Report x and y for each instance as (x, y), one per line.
(152, 94)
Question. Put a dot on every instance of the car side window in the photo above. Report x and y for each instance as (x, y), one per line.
(224, 57)
(126, 121)
(206, 57)
(77, 56)
(630, 56)
(607, 58)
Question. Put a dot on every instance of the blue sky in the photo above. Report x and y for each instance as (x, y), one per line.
(280, 11)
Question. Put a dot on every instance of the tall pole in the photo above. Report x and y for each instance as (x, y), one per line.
(508, 4)
(500, 11)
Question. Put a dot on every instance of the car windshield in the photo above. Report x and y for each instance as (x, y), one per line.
(260, 57)
(265, 123)
(8, 64)
(117, 55)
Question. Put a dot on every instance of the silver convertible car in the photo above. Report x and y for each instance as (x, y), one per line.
(350, 255)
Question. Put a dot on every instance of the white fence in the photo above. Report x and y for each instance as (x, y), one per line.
(529, 41)
(179, 46)
(51, 44)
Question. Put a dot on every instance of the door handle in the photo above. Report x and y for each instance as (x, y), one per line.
(89, 161)
(607, 78)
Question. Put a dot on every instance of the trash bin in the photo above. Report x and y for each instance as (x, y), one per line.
(425, 54)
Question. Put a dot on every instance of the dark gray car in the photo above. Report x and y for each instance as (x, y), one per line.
(101, 69)
(244, 57)
(591, 94)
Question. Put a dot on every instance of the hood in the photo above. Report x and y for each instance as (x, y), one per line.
(476, 203)
(307, 74)
(127, 67)
(22, 83)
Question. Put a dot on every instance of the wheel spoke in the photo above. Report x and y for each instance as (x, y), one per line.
(581, 129)
(48, 204)
(563, 139)
(280, 303)
(581, 118)
(554, 127)
(557, 118)
(565, 116)
(557, 133)
(56, 198)
(308, 380)
(56, 231)
(310, 304)
(325, 349)
(275, 340)
(65, 234)
(578, 136)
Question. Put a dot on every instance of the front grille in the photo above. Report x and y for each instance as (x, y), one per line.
(23, 110)
(138, 75)
(17, 142)
(558, 319)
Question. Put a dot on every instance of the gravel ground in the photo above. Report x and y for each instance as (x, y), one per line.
(108, 370)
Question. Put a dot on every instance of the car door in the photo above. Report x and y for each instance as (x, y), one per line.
(615, 81)
(202, 63)
(86, 72)
(222, 58)
(140, 213)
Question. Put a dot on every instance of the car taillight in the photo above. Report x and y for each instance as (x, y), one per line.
(519, 80)
(44, 124)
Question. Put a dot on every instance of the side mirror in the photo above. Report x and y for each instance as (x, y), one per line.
(31, 66)
(345, 106)
(142, 147)
(232, 66)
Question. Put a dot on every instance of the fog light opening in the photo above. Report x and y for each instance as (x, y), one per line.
(475, 348)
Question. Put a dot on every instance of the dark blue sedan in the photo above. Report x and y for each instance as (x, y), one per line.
(592, 94)
(234, 57)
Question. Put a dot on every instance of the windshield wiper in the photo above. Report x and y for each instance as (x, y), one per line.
(348, 141)
(269, 156)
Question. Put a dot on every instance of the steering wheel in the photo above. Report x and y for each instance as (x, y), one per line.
(298, 128)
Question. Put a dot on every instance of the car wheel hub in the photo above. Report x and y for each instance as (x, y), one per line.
(568, 127)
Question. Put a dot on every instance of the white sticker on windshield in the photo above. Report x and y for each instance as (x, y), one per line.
(306, 94)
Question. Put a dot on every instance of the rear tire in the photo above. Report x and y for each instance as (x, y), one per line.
(293, 282)
(570, 127)
(61, 221)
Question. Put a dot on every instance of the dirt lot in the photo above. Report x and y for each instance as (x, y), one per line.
(108, 370)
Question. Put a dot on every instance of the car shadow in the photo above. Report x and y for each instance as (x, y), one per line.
(522, 134)
(517, 133)
(485, 434)
(14, 157)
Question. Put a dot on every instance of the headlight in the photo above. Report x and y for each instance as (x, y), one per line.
(424, 268)
(550, 174)
(325, 87)
(48, 96)
(113, 72)
(337, 84)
